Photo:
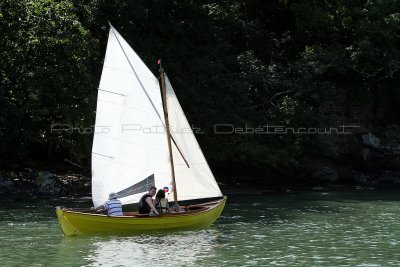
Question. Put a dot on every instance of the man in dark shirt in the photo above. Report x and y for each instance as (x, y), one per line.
(146, 204)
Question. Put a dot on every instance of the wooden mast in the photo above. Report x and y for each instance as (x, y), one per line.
(164, 96)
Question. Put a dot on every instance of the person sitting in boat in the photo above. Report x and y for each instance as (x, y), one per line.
(161, 202)
(146, 204)
(113, 206)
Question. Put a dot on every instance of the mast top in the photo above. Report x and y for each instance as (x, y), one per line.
(159, 64)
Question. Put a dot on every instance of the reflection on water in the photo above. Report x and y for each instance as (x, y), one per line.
(178, 249)
(292, 229)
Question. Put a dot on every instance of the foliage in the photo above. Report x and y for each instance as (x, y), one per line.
(248, 64)
(47, 62)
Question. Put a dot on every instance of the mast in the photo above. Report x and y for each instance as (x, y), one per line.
(164, 96)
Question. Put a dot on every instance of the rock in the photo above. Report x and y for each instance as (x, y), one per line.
(392, 133)
(326, 174)
(370, 140)
(365, 154)
(362, 178)
(393, 163)
(49, 184)
(6, 184)
(389, 177)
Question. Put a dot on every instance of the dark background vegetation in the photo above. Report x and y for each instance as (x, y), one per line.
(251, 63)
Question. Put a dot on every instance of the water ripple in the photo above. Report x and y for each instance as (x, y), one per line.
(294, 229)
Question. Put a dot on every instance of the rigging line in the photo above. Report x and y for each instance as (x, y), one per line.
(110, 92)
(173, 139)
(137, 76)
(130, 72)
(144, 90)
(176, 145)
(180, 152)
(193, 163)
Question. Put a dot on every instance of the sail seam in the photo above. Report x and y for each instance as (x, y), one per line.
(135, 166)
(128, 107)
(110, 157)
(110, 92)
(137, 76)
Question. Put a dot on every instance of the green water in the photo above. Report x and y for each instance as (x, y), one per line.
(358, 228)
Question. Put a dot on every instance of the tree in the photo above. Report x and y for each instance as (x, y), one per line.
(47, 62)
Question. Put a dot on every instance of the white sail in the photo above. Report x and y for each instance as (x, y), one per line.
(130, 150)
(195, 181)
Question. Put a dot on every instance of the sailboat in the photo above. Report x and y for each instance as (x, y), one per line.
(141, 139)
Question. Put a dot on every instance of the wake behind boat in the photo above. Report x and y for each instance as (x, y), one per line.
(142, 138)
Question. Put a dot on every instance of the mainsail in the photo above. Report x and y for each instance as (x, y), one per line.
(130, 144)
(130, 150)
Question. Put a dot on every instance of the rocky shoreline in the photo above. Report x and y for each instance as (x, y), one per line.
(368, 161)
(32, 183)
(28, 183)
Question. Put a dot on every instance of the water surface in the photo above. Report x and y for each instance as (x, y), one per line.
(357, 228)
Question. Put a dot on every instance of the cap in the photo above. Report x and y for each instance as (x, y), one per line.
(112, 196)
